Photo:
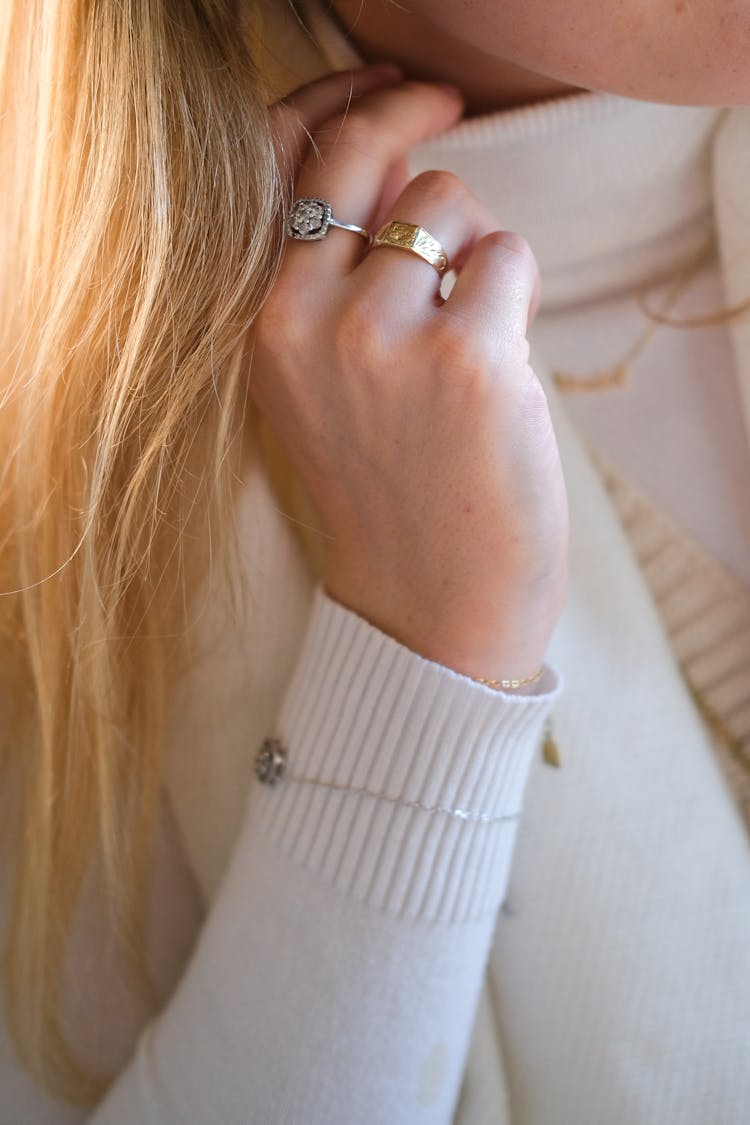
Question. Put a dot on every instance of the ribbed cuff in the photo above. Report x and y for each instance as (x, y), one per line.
(384, 748)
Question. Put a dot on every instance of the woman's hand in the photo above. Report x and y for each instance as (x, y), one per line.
(416, 424)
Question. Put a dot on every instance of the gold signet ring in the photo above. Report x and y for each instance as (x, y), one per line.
(417, 240)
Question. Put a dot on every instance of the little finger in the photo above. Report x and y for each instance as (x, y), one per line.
(497, 292)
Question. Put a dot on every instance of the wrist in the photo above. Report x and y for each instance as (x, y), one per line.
(516, 655)
(517, 668)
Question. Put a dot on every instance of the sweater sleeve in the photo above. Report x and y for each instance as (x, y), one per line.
(337, 974)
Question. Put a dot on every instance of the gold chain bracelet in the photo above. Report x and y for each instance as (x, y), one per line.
(510, 683)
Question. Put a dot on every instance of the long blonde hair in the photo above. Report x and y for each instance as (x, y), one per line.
(141, 229)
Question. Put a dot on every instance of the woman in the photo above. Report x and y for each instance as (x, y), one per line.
(317, 940)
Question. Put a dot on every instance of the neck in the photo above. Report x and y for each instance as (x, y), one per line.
(387, 33)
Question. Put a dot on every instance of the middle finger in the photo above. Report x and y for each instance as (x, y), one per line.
(441, 204)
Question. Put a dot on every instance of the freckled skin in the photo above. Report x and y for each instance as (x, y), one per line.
(505, 52)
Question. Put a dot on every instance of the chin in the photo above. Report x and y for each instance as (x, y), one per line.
(700, 86)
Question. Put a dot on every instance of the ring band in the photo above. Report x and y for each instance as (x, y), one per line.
(311, 219)
(417, 240)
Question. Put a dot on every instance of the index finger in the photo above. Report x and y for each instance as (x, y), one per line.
(297, 116)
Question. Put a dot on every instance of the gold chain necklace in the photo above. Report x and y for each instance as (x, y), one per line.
(619, 374)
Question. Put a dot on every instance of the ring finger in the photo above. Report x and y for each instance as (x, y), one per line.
(441, 205)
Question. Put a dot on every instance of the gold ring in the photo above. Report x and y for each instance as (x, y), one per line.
(417, 240)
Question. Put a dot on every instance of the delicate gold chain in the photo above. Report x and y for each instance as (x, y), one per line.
(618, 375)
(510, 683)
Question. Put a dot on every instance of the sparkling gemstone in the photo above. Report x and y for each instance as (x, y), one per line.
(309, 218)
(270, 762)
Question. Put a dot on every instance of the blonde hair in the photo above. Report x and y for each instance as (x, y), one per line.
(141, 230)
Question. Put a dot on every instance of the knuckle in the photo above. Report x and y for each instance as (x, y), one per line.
(514, 246)
(514, 242)
(356, 332)
(458, 351)
(439, 186)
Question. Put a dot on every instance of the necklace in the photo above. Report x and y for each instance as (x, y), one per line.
(619, 373)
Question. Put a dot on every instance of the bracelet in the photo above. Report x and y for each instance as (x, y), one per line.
(271, 768)
(510, 683)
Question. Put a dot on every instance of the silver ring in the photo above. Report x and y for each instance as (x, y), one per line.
(311, 219)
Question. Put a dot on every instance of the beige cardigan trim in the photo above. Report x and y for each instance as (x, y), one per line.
(706, 614)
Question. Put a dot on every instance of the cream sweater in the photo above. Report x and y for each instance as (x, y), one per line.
(328, 945)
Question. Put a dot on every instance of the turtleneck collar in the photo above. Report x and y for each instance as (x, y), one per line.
(612, 193)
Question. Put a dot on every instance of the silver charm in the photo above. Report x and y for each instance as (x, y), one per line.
(270, 761)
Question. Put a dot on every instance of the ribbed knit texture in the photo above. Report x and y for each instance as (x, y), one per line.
(426, 834)
(706, 613)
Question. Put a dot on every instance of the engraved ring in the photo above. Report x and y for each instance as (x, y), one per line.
(417, 240)
(311, 219)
